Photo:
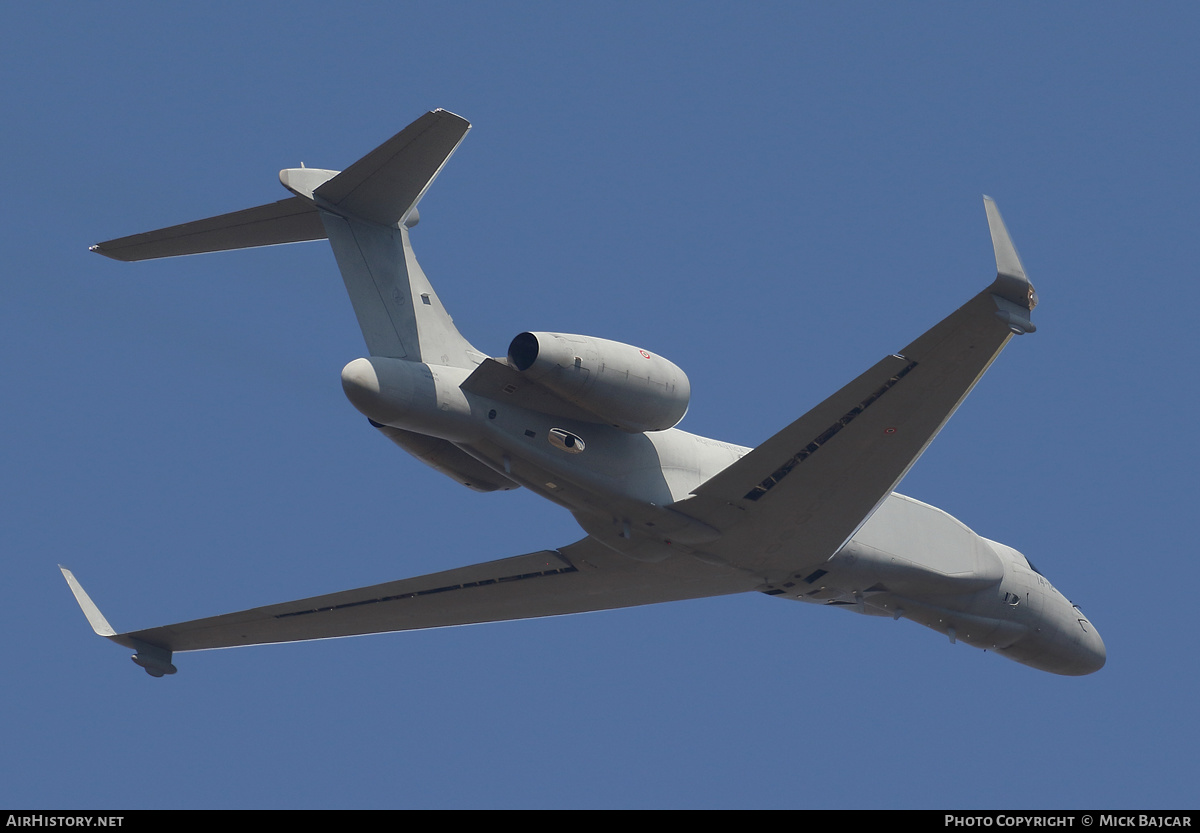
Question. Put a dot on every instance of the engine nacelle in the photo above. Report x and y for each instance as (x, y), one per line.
(623, 386)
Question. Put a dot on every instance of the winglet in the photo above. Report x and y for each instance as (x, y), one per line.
(1008, 262)
(94, 616)
(1014, 294)
(155, 659)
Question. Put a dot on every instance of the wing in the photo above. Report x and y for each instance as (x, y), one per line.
(797, 498)
(582, 577)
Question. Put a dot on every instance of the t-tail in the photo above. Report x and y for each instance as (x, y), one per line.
(365, 212)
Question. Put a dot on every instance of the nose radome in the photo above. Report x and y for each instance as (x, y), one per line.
(1096, 653)
(1082, 655)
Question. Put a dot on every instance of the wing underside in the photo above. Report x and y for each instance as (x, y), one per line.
(795, 500)
(582, 577)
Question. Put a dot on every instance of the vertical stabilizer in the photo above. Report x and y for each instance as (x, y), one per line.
(398, 312)
(366, 210)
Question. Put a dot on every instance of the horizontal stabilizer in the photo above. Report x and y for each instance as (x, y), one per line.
(383, 187)
(292, 220)
(388, 182)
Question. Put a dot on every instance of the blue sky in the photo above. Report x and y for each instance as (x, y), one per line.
(772, 196)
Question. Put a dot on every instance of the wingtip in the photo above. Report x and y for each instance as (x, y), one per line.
(94, 616)
(98, 248)
(1008, 262)
(443, 111)
(1011, 284)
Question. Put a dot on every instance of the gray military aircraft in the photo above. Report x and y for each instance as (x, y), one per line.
(588, 423)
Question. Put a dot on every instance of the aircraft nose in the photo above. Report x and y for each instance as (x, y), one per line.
(1093, 654)
(1063, 642)
(1082, 654)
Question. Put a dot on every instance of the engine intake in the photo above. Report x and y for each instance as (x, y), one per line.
(620, 384)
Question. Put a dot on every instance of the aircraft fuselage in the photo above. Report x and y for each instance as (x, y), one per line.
(909, 560)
